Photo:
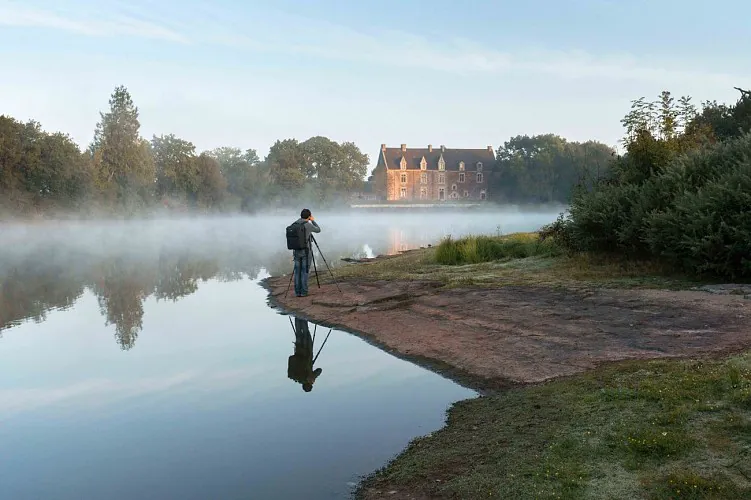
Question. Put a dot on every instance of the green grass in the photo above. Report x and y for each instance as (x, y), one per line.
(518, 260)
(477, 249)
(647, 429)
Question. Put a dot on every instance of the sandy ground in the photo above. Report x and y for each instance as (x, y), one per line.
(496, 337)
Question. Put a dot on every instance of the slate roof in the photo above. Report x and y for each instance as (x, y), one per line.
(391, 158)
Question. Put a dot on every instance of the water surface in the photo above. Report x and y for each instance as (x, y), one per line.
(140, 360)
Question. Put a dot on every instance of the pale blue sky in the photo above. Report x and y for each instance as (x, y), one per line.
(463, 74)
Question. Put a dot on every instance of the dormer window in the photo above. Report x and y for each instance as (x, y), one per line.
(461, 166)
(441, 163)
(423, 164)
(403, 164)
(479, 166)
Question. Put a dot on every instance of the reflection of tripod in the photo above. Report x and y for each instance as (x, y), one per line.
(315, 328)
(300, 364)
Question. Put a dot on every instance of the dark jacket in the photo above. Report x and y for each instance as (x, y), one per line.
(310, 228)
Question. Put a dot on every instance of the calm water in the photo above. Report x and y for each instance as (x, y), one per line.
(140, 360)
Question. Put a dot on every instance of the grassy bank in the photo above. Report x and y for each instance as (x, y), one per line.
(515, 259)
(657, 429)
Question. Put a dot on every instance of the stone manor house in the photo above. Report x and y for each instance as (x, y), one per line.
(432, 174)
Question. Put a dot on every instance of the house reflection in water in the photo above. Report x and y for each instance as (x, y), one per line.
(401, 240)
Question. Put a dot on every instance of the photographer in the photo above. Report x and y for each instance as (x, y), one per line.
(302, 253)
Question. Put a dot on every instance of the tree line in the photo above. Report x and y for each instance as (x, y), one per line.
(680, 193)
(545, 168)
(122, 171)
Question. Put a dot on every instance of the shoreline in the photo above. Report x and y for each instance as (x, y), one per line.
(481, 385)
(535, 337)
(490, 337)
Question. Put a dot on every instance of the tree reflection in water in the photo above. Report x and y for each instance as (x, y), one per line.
(125, 266)
(49, 278)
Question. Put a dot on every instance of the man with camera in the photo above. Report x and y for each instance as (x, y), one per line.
(299, 234)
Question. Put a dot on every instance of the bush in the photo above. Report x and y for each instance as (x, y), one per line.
(694, 214)
(477, 249)
(598, 218)
(708, 231)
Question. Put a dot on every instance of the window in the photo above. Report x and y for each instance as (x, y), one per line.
(461, 177)
(423, 164)
(466, 193)
(404, 179)
(441, 178)
(453, 187)
(442, 193)
(423, 178)
(479, 166)
(403, 193)
(441, 164)
(403, 164)
(423, 193)
(461, 166)
(479, 176)
(482, 194)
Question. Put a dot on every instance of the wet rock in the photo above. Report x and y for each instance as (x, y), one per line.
(727, 289)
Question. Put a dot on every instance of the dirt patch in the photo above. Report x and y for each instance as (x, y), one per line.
(523, 334)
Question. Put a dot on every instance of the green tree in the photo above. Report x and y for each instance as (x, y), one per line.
(244, 173)
(545, 168)
(211, 183)
(286, 161)
(668, 116)
(125, 170)
(39, 169)
(174, 160)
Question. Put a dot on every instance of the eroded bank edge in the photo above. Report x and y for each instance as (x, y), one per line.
(481, 385)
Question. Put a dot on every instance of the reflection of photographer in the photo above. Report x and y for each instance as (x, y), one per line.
(300, 365)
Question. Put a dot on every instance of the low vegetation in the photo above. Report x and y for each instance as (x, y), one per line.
(515, 259)
(648, 429)
(477, 249)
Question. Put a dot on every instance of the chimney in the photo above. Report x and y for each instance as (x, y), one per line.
(430, 148)
(490, 149)
(383, 147)
(443, 148)
(404, 147)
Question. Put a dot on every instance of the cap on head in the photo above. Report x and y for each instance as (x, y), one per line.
(305, 213)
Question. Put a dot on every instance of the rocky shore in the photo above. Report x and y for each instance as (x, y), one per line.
(496, 336)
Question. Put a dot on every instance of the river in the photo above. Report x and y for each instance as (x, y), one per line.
(139, 359)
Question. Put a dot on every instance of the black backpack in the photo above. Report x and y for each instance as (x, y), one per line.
(296, 236)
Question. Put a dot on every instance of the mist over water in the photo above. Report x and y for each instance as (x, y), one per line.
(139, 359)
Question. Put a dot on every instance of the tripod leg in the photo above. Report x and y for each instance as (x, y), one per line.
(290, 283)
(313, 258)
(321, 348)
(327, 265)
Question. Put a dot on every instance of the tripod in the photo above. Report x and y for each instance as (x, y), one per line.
(324, 261)
(315, 268)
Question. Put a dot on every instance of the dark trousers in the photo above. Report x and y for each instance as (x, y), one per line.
(301, 275)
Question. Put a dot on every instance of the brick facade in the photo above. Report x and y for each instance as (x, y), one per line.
(433, 174)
